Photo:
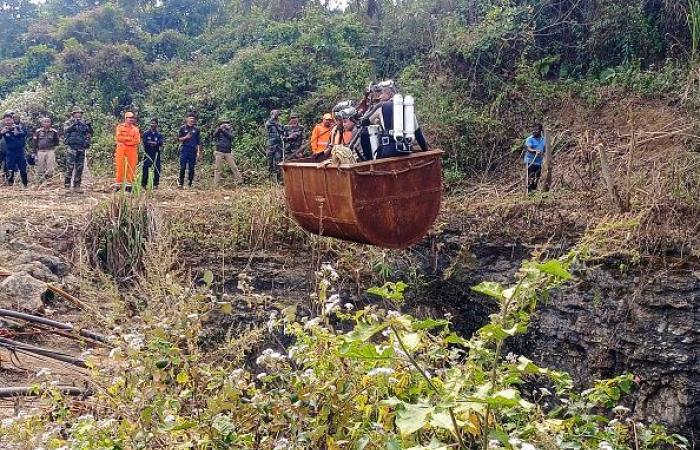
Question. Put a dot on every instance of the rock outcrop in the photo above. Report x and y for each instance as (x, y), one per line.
(614, 322)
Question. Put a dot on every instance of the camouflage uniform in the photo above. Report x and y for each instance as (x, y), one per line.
(275, 132)
(77, 134)
(294, 136)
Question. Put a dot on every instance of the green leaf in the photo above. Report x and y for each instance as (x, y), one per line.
(393, 444)
(362, 443)
(429, 324)
(442, 420)
(454, 338)
(363, 332)
(554, 267)
(412, 418)
(490, 288)
(497, 332)
(500, 436)
(208, 277)
(506, 398)
(182, 426)
(223, 425)
(360, 350)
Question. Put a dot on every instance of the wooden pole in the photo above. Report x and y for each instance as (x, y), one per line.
(547, 166)
(609, 180)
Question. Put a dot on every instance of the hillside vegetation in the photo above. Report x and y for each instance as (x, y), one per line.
(482, 70)
(226, 328)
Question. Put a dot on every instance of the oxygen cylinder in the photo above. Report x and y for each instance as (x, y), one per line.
(373, 131)
(409, 118)
(397, 132)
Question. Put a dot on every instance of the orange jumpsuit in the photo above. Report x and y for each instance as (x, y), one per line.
(320, 138)
(128, 138)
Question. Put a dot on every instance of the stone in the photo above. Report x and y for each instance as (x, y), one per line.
(22, 291)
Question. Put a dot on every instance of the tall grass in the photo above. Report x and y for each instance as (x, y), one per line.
(694, 27)
(118, 233)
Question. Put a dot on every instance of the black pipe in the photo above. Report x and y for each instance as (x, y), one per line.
(19, 346)
(24, 391)
(51, 323)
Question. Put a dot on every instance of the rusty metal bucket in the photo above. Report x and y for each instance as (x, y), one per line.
(389, 203)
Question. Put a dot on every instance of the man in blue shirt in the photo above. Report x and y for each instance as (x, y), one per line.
(190, 144)
(534, 157)
(15, 137)
(152, 144)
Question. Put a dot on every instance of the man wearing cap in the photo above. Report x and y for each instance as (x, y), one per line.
(275, 132)
(44, 143)
(321, 134)
(223, 139)
(152, 144)
(15, 137)
(294, 137)
(128, 138)
(190, 143)
(77, 134)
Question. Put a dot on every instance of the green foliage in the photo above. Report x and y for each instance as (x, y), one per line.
(391, 381)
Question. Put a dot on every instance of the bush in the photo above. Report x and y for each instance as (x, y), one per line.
(349, 379)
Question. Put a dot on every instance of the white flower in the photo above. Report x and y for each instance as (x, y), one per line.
(169, 419)
(312, 323)
(495, 444)
(621, 410)
(380, 371)
(44, 372)
(512, 358)
(327, 269)
(261, 375)
(331, 305)
(527, 446)
(393, 314)
(349, 306)
(281, 444)
(604, 445)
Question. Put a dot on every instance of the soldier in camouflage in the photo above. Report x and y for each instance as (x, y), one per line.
(77, 133)
(275, 133)
(294, 137)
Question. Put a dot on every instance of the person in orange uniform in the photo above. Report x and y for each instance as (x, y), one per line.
(321, 134)
(128, 138)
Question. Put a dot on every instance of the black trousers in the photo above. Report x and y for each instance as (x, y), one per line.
(152, 161)
(188, 159)
(533, 177)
